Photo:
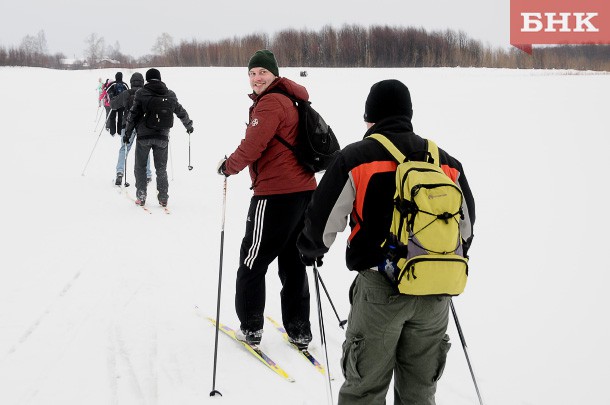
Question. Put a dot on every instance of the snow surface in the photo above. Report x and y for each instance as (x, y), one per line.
(98, 298)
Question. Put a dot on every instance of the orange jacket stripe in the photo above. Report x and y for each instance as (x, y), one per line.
(362, 175)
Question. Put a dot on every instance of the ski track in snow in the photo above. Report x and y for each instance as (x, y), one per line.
(32, 328)
(133, 368)
(113, 373)
(59, 308)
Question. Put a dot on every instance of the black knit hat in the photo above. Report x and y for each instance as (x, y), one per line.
(387, 98)
(153, 74)
(119, 76)
(264, 59)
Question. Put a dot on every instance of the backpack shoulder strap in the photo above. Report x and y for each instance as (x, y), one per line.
(399, 156)
(294, 101)
(282, 92)
(284, 142)
(433, 151)
(386, 143)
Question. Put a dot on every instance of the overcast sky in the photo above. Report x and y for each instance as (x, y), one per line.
(136, 24)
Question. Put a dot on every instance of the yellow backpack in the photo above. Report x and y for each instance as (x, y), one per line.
(424, 245)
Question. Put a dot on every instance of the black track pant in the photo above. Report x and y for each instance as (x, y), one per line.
(111, 121)
(160, 152)
(272, 227)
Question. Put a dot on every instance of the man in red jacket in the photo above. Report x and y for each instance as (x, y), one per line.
(282, 189)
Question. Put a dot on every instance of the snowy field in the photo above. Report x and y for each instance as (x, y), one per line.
(98, 298)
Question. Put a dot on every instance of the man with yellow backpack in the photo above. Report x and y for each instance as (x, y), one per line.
(411, 214)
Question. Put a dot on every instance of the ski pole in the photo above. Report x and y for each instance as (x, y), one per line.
(125, 166)
(341, 322)
(88, 160)
(459, 328)
(97, 114)
(190, 167)
(94, 146)
(222, 241)
(97, 122)
(329, 390)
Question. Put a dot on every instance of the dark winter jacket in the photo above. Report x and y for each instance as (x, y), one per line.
(126, 98)
(360, 185)
(138, 109)
(273, 167)
(112, 95)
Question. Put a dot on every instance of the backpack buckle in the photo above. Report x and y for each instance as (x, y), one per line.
(445, 216)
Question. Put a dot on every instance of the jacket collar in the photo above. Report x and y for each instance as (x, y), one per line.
(398, 124)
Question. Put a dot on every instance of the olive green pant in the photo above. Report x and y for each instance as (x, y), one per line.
(391, 334)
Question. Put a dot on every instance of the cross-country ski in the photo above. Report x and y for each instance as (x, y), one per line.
(304, 353)
(255, 351)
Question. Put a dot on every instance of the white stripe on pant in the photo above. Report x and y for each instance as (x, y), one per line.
(259, 218)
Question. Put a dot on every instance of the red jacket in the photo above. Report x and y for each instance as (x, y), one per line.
(273, 167)
(104, 95)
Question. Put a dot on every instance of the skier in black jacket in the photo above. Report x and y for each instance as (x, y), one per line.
(388, 335)
(114, 90)
(152, 117)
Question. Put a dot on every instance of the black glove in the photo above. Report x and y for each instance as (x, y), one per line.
(222, 166)
(126, 137)
(189, 128)
(309, 261)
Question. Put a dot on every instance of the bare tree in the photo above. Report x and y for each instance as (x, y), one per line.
(163, 45)
(34, 49)
(250, 44)
(114, 51)
(95, 48)
(3, 56)
(34, 44)
(164, 50)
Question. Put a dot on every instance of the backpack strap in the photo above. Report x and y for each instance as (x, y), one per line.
(294, 102)
(284, 142)
(433, 151)
(386, 143)
(399, 156)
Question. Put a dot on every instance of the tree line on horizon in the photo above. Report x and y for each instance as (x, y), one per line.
(349, 46)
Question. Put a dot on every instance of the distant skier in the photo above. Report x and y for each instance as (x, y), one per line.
(100, 89)
(104, 99)
(113, 89)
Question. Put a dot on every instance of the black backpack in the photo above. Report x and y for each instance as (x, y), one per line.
(316, 143)
(159, 113)
(131, 98)
(116, 88)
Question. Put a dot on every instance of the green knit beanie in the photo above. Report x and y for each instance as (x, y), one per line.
(264, 59)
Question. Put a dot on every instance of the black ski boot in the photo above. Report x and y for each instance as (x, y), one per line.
(119, 179)
(140, 198)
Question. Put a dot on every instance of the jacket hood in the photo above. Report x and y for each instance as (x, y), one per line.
(157, 87)
(137, 80)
